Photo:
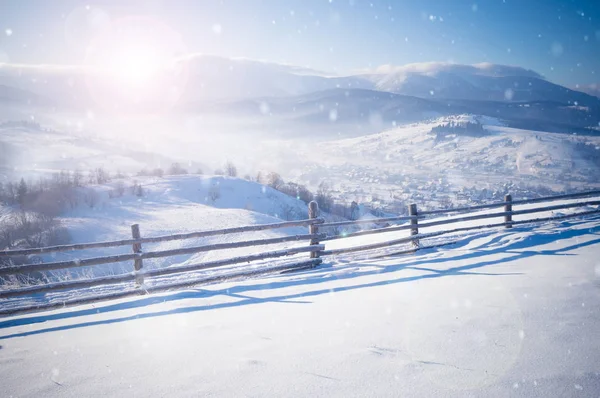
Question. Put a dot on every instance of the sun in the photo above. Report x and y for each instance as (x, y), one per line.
(135, 63)
(132, 62)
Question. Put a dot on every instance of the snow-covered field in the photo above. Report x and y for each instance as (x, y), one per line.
(401, 163)
(408, 162)
(182, 204)
(173, 205)
(512, 313)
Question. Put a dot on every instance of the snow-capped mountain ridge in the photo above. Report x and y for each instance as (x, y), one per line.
(210, 77)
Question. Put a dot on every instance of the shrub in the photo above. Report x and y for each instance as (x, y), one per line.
(176, 169)
(230, 169)
(274, 180)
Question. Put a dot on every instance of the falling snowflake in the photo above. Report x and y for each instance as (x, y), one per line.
(333, 115)
(8, 32)
(556, 49)
(264, 108)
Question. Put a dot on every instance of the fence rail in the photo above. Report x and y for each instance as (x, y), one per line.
(415, 222)
(157, 239)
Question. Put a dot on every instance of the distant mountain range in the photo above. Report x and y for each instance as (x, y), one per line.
(406, 93)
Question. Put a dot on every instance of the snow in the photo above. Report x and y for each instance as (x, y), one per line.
(180, 204)
(511, 313)
(410, 156)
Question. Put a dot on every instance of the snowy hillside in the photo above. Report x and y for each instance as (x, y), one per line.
(27, 150)
(512, 313)
(353, 112)
(179, 204)
(402, 163)
(413, 164)
(482, 82)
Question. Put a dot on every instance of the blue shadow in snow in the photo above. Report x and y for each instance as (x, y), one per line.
(316, 277)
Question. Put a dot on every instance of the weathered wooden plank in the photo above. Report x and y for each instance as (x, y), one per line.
(462, 219)
(503, 213)
(23, 269)
(579, 195)
(158, 288)
(454, 230)
(368, 221)
(51, 287)
(414, 230)
(370, 246)
(106, 280)
(230, 245)
(155, 239)
(514, 202)
(508, 209)
(20, 269)
(313, 212)
(137, 249)
(369, 232)
(235, 260)
(556, 207)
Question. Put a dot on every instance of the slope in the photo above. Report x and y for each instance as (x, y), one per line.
(411, 163)
(511, 313)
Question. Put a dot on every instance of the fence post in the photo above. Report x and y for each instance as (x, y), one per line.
(137, 248)
(507, 208)
(313, 212)
(414, 230)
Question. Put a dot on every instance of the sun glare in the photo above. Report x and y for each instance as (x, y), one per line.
(134, 64)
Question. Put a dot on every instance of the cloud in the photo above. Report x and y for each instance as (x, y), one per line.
(41, 69)
(591, 89)
(190, 60)
(278, 66)
(434, 68)
(198, 59)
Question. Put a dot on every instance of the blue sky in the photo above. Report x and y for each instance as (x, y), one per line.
(560, 39)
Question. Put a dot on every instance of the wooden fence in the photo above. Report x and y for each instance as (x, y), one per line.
(415, 222)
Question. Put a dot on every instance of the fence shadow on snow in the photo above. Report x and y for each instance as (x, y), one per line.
(517, 250)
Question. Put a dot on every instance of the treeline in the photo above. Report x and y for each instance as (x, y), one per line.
(229, 169)
(32, 207)
(323, 196)
(459, 128)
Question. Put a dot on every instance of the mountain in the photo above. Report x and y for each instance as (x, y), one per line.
(335, 105)
(591, 89)
(362, 111)
(363, 102)
(480, 82)
(212, 77)
(28, 150)
(56, 85)
(14, 96)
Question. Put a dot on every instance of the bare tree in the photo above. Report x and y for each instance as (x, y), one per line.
(274, 180)
(91, 198)
(230, 169)
(176, 169)
(77, 178)
(21, 192)
(324, 197)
